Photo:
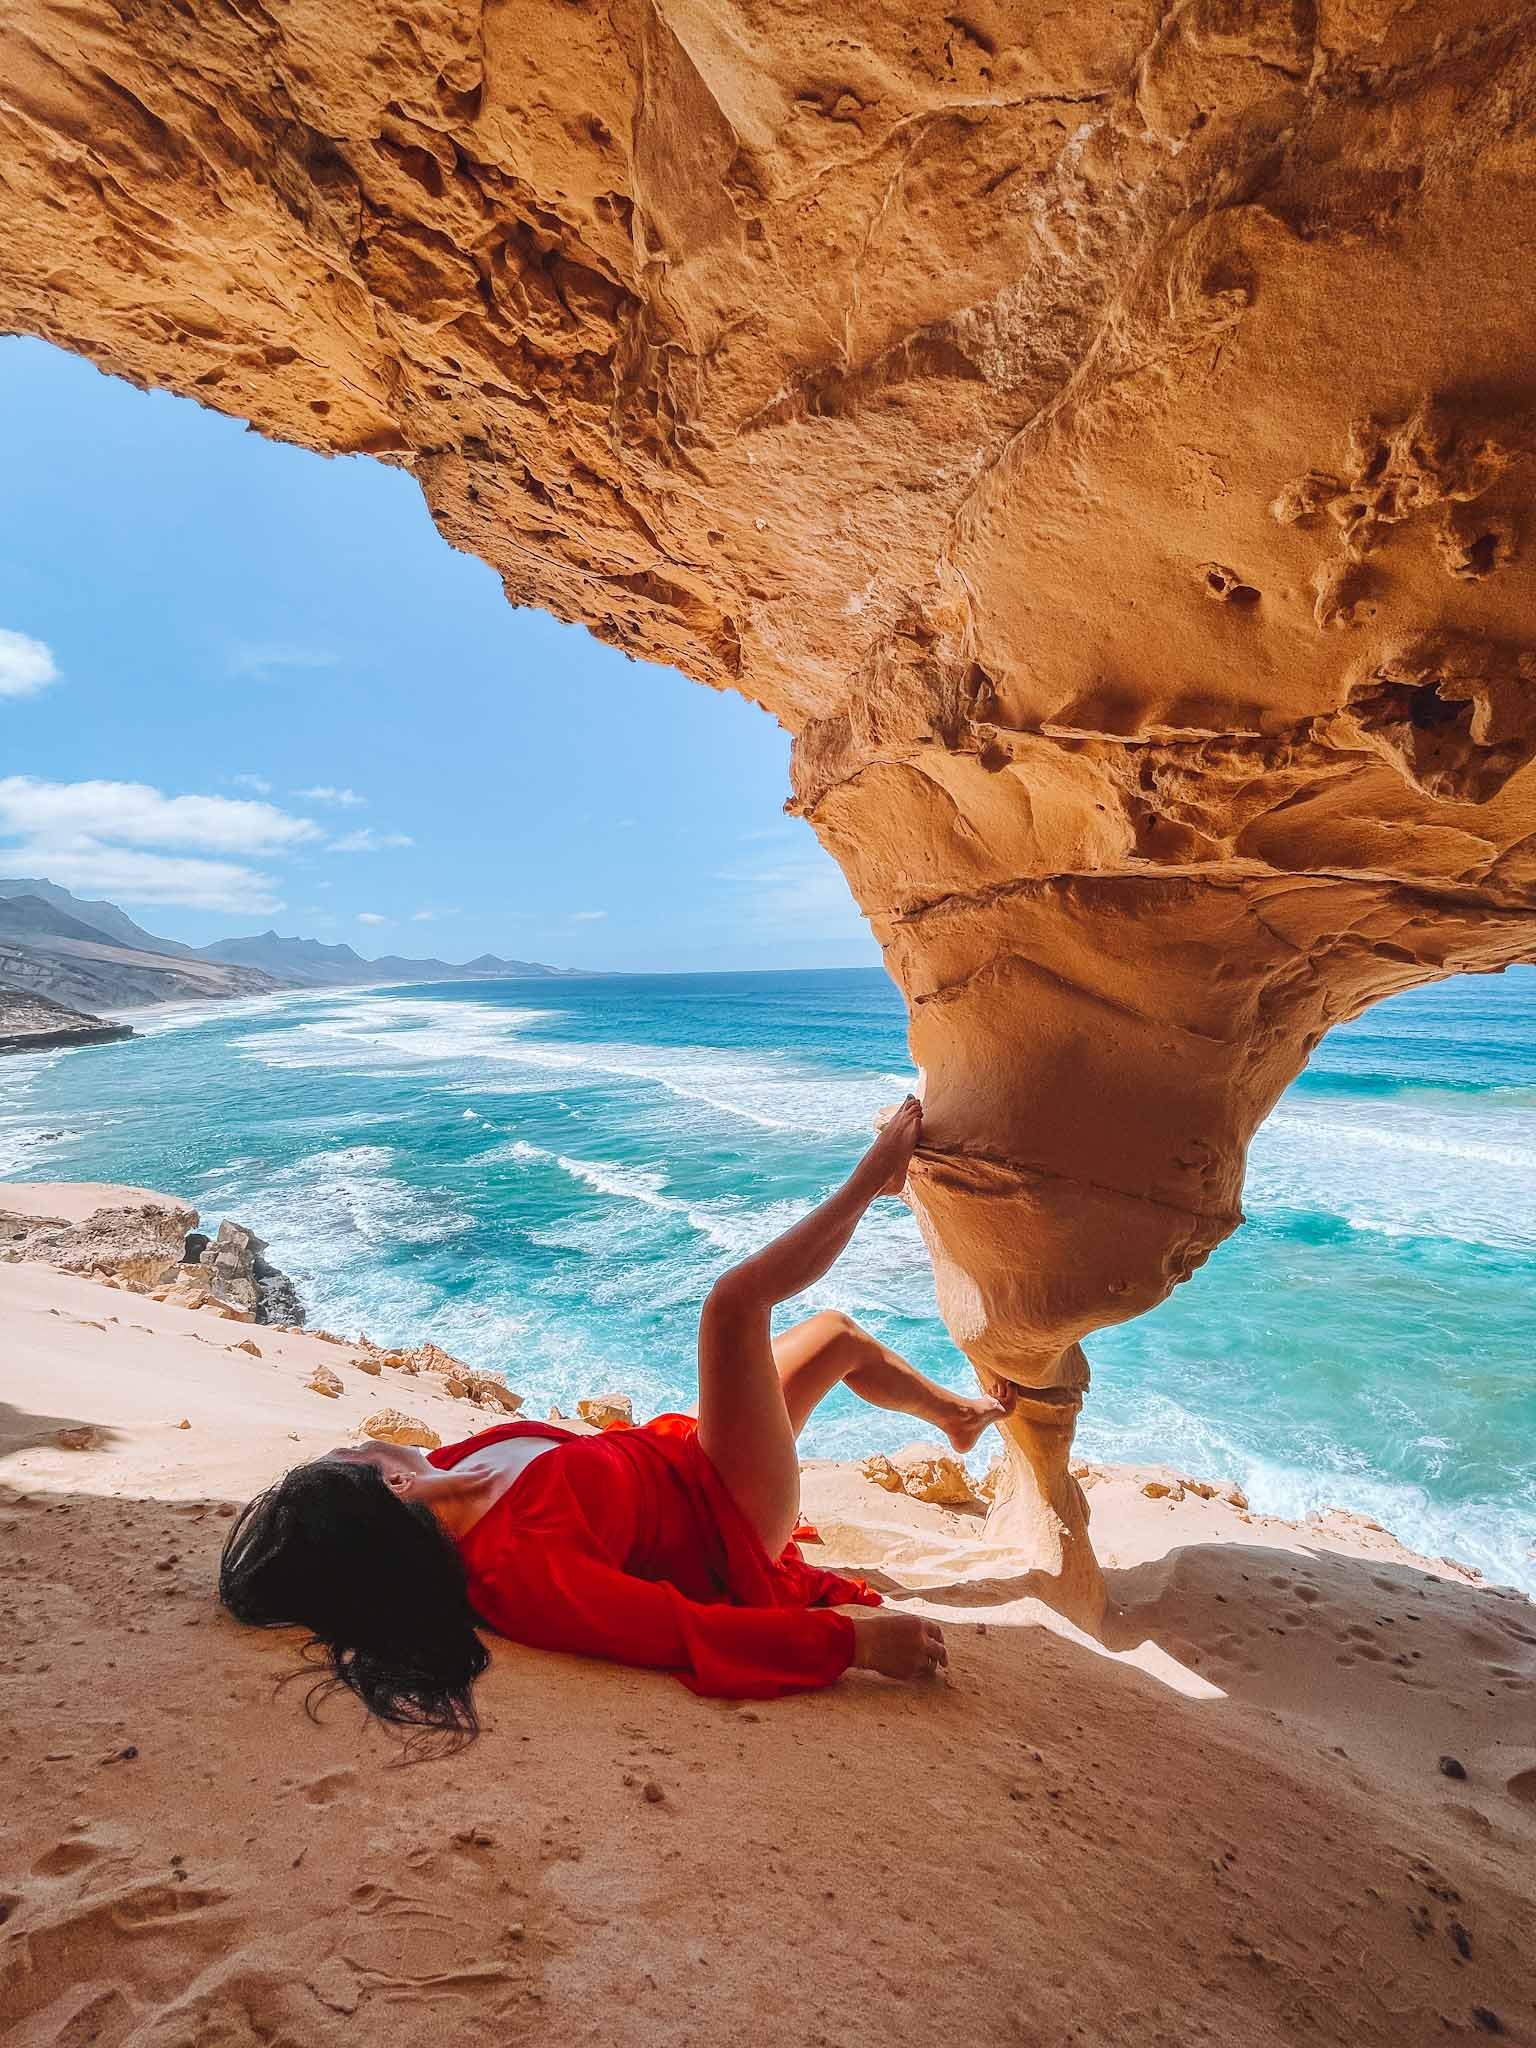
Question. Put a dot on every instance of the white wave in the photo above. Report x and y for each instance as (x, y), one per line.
(28, 1136)
(392, 1035)
(1138, 1425)
(346, 1203)
(1442, 1170)
(886, 1267)
(156, 1019)
(370, 1031)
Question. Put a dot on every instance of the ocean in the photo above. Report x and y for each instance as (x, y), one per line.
(544, 1177)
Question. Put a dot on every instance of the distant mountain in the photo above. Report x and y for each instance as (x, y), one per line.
(23, 917)
(104, 919)
(56, 948)
(59, 947)
(306, 963)
(95, 974)
(309, 963)
(393, 967)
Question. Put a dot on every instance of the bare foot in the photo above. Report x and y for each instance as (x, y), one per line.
(964, 1423)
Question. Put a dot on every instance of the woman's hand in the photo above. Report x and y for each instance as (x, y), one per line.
(899, 1645)
(887, 1160)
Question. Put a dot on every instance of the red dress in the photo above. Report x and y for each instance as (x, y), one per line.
(628, 1545)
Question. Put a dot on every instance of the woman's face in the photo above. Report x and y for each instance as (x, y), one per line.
(398, 1463)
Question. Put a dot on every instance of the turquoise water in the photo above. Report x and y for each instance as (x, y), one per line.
(545, 1179)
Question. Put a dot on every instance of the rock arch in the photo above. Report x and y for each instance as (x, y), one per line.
(1104, 436)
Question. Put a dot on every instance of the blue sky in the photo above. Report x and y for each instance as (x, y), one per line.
(243, 686)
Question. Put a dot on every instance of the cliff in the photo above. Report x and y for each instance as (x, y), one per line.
(31, 1023)
(1103, 436)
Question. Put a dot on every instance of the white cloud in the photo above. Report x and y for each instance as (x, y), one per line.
(431, 916)
(371, 917)
(367, 840)
(26, 665)
(325, 793)
(131, 842)
(587, 916)
(263, 660)
(259, 783)
(137, 815)
(126, 875)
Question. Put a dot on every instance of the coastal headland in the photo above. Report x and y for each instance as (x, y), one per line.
(1291, 1797)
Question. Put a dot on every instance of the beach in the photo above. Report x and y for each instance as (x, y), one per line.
(1297, 1801)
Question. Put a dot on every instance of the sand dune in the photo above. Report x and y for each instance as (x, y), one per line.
(1233, 1826)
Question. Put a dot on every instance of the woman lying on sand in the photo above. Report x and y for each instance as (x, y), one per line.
(667, 1545)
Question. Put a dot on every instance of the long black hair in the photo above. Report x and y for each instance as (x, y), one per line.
(378, 1584)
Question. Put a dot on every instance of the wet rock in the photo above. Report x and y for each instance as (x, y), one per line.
(279, 1300)
(239, 1273)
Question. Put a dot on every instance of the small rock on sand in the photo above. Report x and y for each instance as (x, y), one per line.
(924, 1474)
(608, 1411)
(392, 1426)
(83, 1438)
(323, 1381)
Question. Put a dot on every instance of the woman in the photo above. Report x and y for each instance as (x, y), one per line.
(667, 1545)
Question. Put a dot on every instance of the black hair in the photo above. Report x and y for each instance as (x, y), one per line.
(378, 1584)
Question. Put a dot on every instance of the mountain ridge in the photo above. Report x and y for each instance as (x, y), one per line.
(315, 963)
(90, 954)
(102, 916)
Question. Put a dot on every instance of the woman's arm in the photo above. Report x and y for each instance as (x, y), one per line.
(807, 1250)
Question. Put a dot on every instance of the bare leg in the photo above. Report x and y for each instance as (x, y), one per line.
(831, 1348)
(744, 1424)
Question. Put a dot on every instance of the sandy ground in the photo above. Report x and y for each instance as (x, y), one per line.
(1235, 1829)
(71, 1201)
